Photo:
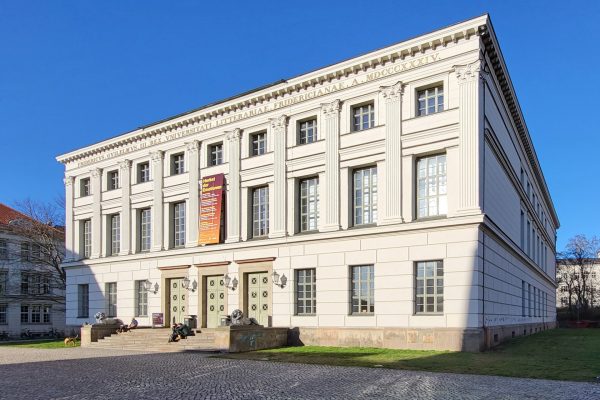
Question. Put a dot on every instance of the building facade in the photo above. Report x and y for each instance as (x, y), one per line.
(32, 295)
(578, 282)
(394, 199)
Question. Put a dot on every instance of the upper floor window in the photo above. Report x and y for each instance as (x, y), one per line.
(260, 211)
(177, 164)
(35, 283)
(3, 249)
(3, 282)
(365, 196)
(143, 172)
(430, 101)
(259, 143)
(86, 231)
(84, 187)
(145, 230)
(430, 287)
(179, 224)
(215, 154)
(431, 186)
(25, 251)
(363, 289)
(113, 180)
(363, 117)
(307, 131)
(309, 204)
(115, 234)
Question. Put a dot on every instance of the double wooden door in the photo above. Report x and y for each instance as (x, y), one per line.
(259, 297)
(177, 295)
(215, 301)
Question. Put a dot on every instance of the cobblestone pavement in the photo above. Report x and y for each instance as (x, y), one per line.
(101, 374)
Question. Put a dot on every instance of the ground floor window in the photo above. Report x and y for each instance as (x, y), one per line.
(363, 289)
(111, 298)
(35, 314)
(429, 287)
(306, 298)
(83, 301)
(141, 299)
(3, 309)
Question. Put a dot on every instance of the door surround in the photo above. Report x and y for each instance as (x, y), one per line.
(256, 265)
(167, 273)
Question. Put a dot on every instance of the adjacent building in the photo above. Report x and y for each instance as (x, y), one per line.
(394, 199)
(32, 296)
(578, 283)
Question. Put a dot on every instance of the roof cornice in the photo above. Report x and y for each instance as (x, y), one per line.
(405, 50)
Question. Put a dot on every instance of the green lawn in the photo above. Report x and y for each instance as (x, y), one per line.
(41, 344)
(564, 354)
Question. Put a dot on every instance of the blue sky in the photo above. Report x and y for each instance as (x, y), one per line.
(76, 72)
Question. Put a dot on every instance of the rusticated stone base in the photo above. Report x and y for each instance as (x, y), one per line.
(494, 335)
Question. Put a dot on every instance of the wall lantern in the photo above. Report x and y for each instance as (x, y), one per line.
(191, 286)
(148, 286)
(230, 283)
(279, 281)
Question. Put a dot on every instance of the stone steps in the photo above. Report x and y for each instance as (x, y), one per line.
(156, 340)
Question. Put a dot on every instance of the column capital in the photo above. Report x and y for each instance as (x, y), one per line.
(193, 146)
(234, 135)
(278, 124)
(157, 156)
(469, 72)
(68, 180)
(96, 172)
(332, 108)
(124, 164)
(394, 92)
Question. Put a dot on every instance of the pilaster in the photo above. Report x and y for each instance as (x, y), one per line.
(470, 137)
(125, 181)
(392, 205)
(192, 217)
(330, 126)
(233, 195)
(157, 158)
(96, 213)
(69, 222)
(279, 133)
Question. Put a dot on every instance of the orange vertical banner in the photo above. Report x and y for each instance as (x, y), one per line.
(211, 201)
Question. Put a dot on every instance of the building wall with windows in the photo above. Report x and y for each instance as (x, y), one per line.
(30, 296)
(382, 200)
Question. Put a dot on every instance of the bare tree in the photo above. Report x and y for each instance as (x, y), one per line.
(574, 270)
(39, 242)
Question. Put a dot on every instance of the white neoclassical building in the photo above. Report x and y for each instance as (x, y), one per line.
(394, 199)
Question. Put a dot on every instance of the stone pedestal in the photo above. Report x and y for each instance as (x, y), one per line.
(92, 333)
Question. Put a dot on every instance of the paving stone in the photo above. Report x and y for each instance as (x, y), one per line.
(84, 373)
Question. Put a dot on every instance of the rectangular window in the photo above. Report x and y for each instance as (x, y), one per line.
(177, 164)
(363, 117)
(86, 230)
(24, 283)
(363, 289)
(111, 299)
(179, 224)
(528, 251)
(522, 230)
(429, 287)
(36, 314)
(83, 301)
(3, 318)
(115, 234)
(431, 186)
(3, 249)
(24, 314)
(260, 211)
(25, 251)
(523, 299)
(365, 196)
(430, 101)
(46, 314)
(259, 144)
(141, 299)
(113, 180)
(215, 154)
(84, 187)
(143, 172)
(530, 305)
(307, 131)
(3, 282)
(306, 292)
(309, 204)
(145, 230)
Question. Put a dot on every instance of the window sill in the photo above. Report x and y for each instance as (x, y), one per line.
(362, 130)
(423, 314)
(432, 218)
(305, 315)
(361, 315)
(361, 226)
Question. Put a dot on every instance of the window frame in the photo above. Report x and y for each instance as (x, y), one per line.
(215, 154)
(145, 229)
(3, 314)
(436, 96)
(307, 295)
(112, 180)
(85, 187)
(143, 172)
(115, 234)
(370, 295)
(263, 210)
(428, 197)
(3, 249)
(86, 238)
(257, 140)
(372, 208)
(178, 163)
(438, 264)
(111, 299)
(178, 223)
(370, 112)
(314, 137)
(141, 299)
(308, 199)
(83, 300)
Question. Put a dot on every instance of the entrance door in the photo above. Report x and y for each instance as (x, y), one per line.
(215, 300)
(259, 292)
(176, 300)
